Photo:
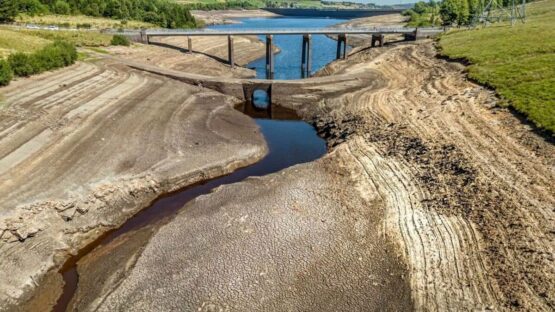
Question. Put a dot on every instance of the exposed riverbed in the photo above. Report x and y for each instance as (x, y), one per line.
(290, 142)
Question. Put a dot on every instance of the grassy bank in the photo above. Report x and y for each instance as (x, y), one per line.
(518, 62)
(74, 21)
(15, 41)
(27, 40)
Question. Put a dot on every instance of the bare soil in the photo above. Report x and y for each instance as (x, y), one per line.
(457, 191)
(84, 148)
(229, 16)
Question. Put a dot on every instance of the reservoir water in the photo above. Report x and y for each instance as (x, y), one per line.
(290, 142)
(288, 61)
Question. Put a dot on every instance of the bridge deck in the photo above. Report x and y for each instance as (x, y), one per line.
(296, 31)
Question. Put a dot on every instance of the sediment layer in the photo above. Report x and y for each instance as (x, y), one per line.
(84, 148)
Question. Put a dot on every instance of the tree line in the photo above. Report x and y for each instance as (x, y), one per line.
(447, 12)
(164, 13)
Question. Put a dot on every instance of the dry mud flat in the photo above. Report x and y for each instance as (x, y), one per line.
(430, 191)
(84, 148)
(213, 17)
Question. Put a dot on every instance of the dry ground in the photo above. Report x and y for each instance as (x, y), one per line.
(457, 192)
(431, 197)
(468, 188)
(84, 148)
(228, 16)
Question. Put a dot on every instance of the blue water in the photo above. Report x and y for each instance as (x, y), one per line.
(288, 61)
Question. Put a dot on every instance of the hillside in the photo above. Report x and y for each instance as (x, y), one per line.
(518, 61)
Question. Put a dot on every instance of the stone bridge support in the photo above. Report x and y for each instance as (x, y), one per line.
(230, 52)
(341, 46)
(269, 57)
(379, 39)
(306, 59)
(144, 37)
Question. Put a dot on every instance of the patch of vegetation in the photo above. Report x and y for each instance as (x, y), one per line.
(78, 38)
(120, 40)
(55, 55)
(518, 62)
(80, 21)
(424, 14)
(5, 73)
(14, 41)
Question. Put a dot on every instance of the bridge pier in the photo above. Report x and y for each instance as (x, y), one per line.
(377, 38)
(189, 44)
(144, 37)
(306, 59)
(230, 54)
(269, 57)
(341, 46)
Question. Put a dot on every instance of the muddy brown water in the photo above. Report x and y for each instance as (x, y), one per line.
(290, 142)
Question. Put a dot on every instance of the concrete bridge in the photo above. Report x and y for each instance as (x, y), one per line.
(377, 38)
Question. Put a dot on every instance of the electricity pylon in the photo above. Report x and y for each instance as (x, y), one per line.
(493, 11)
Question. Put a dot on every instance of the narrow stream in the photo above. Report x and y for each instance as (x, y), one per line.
(290, 142)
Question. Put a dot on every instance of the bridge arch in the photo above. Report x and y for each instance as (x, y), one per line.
(251, 93)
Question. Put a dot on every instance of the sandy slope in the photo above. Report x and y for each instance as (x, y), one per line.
(84, 148)
(469, 189)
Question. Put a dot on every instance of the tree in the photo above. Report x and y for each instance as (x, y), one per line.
(8, 10)
(61, 7)
(448, 11)
(420, 7)
(463, 13)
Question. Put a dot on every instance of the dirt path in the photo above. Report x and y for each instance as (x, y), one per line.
(84, 148)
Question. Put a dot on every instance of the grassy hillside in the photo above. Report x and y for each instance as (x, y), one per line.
(12, 40)
(518, 61)
(74, 21)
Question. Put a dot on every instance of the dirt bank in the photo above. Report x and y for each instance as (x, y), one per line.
(84, 148)
(389, 20)
(214, 17)
(468, 187)
(427, 177)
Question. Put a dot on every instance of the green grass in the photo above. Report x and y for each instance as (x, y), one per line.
(27, 41)
(518, 62)
(78, 38)
(74, 20)
(14, 41)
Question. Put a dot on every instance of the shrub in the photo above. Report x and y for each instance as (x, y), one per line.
(120, 40)
(5, 73)
(84, 26)
(21, 64)
(61, 7)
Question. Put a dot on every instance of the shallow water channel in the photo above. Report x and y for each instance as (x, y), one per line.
(290, 142)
